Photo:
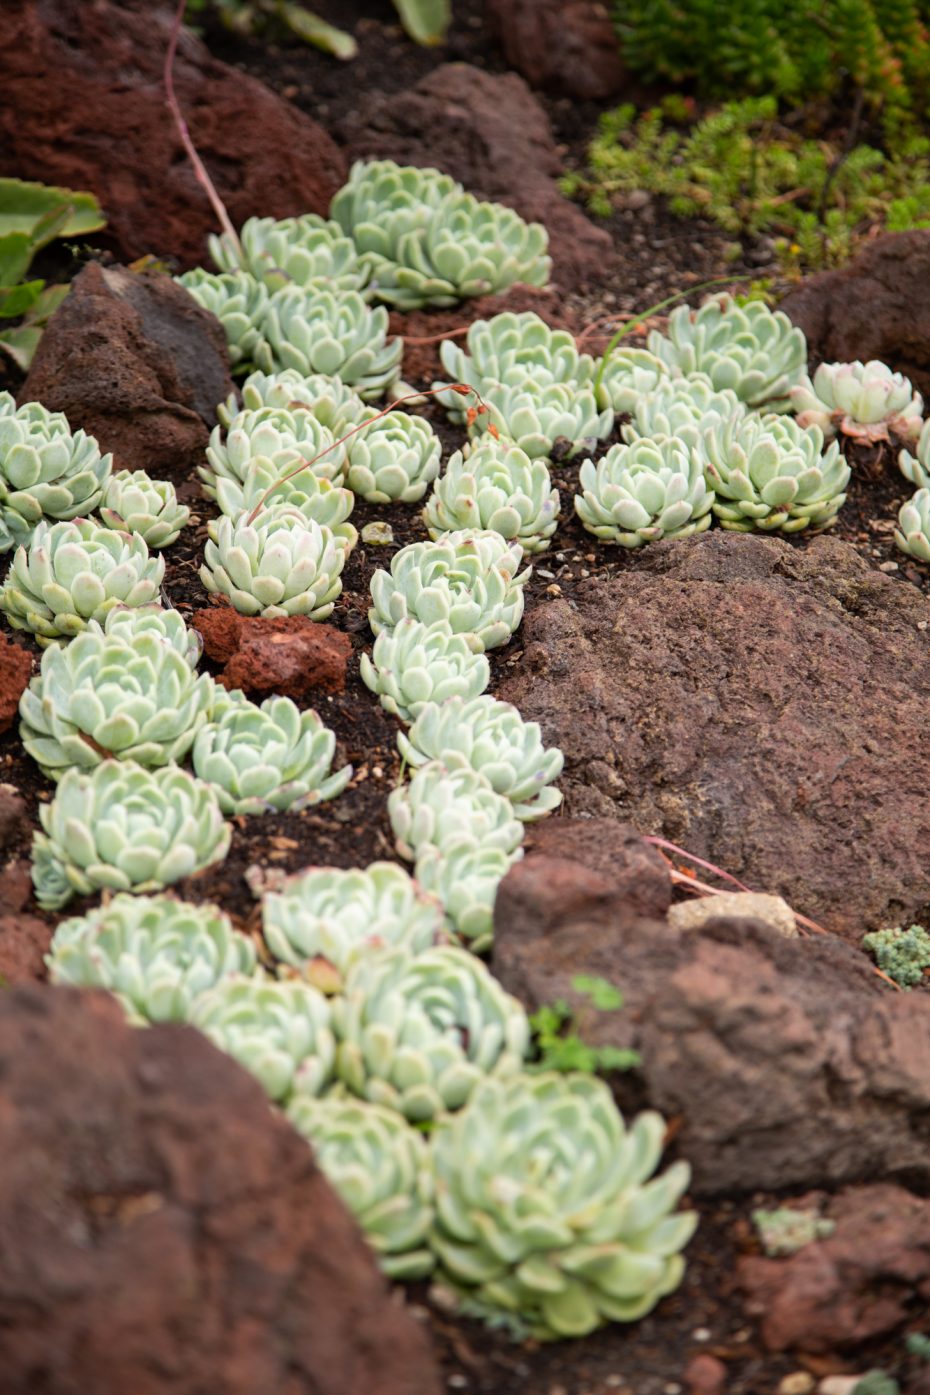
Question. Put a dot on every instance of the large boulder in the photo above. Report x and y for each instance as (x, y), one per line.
(568, 46)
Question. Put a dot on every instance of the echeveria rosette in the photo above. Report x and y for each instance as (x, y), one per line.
(511, 350)
(120, 827)
(279, 437)
(547, 1209)
(628, 376)
(240, 303)
(379, 1164)
(683, 408)
(768, 472)
(465, 878)
(47, 471)
(412, 664)
(417, 1035)
(866, 401)
(269, 484)
(916, 468)
(72, 573)
(273, 756)
(543, 420)
(281, 1032)
(643, 492)
(395, 459)
(123, 695)
(282, 564)
(155, 953)
(331, 332)
(334, 405)
(755, 351)
(439, 807)
(307, 250)
(381, 202)
(325, 918)
(135, 503)
(489, 736)
(168, 624)
(468, 579)
(912, 534)
(495, 486)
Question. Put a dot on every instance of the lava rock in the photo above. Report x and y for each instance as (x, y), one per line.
(162, 1229)
(15, 672)
(567, 46)
(290, 655)
(24, 942)
(637, 871)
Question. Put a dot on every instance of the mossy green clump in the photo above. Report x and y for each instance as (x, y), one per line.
(902, 954)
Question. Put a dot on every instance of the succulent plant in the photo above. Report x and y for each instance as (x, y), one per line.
(863, 400)
(280, 1032)
(413, 664)
(306, 491)
(381, 202)
(683, 408)
(168, 624)
(469, 579)
(755, 351)
(278, 437)
(545, 1210)
(324, 918)
(418, 1034)
(155, 953)
(768, 472)
(643, 492)
(321, 331)
(282, 564)
(916, 468)
(379, 1165)
(240, 303)
(544, 420)
(135, 503)
(440, 807)
(395, 458)
(306, 251)
(75, 572)
(47, 471)
(465, 878)
(912, 534)
(334, 405)
(272, 756)
(496, 487)
(120, 827)
(123, 695)
(491, 737)
(511, 350)
(629, 375)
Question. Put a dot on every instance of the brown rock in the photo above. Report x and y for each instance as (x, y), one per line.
(488, 131)
(15, 672)
(705, 1375)
(858, 1284)
(16, 882)
(637, 871)
(568, 46)
(161, 1229)
(14, 820)
(290, 655)
(24, 942)
(84, 106)
(758, 704)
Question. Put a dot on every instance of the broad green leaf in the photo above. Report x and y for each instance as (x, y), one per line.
(18, 299)
(426, 21)
(23, 205)
(16, 252)
(20, 343)
(314, 30)
(51, 225)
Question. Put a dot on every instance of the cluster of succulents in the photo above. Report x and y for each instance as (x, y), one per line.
(465, 876)
(47, 471)
(495, 486)
(135, 503)
(303, 251)
(279, 437)
(282, 564)
(240, 303)
(334, 405)
(413, 663)
(682, 409)
(439, 807)
(645, 491)
(863, 400)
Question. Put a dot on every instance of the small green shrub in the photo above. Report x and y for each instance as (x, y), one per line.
(901, 954)
(561, 1049)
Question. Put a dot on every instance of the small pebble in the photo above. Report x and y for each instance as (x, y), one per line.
(553, 590)
(377, 534)
(701, 1334)
(888, 567)
(838, 1385)
(797, 1383)
(457, 1382)
(922, 624)
(377, 773)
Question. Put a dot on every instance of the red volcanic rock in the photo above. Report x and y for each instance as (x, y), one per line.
(290, 654)
(15, 672)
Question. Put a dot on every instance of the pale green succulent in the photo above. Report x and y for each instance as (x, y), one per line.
(912, 534)
(169, 625)
(863, 400)
(643, 492)
(495, 486)
(465, 878)
(684, 408)
(768, 472)
(381, 202)
(379, 1164)
(47, 471)
(135, 503)
(277, 436)
(916, 468)
(156, 954)
(469, 579)
(628, 376)
(282, 564)
(413, 664)
(240, 303)
(280, 1032)
(551, 419)
(439, 807)
(755, 351)
(511, 350)
(75, 572)
(120, 827)
(419, 1034)
(267, 484)
(325, 918)
(272, 756)
(545, 1210)
(123, 695)
(306, 251)
(394, 459)
(333, 404)
(321, 331)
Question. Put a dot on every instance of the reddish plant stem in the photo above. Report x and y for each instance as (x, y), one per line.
(435, 338)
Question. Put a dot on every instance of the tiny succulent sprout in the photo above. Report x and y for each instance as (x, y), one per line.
(273, 756)
(916, 468)
(307, 251)
(863, 400)
(282, 564)
(903, 955)
(269, 484)
(240, 303)
(468, 579)
(643, 492)
(413, 664)
(332, 332)
(168, 624)
(465, 878)
(396, 458)
(47, 471)
(279, 437)
(120, 827)
(440, 807)
(419, 1034)
(334, 405)
(547, 1209)
(511, 350)
(555, 417)
(683, 408)
(281, 1032)
(628, 376)
(912, 534)
(72, 573)
(135, 503)
(497, 487)
(380, 1166)
(491, 737)
(121, 693)
(155, 953)
(768, 472)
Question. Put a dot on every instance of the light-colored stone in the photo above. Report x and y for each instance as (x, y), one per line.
(796, 1383)
(838, 1385)
(690, 915)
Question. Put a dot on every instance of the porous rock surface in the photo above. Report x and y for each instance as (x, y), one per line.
(291, 655)
(762, 706)
(162, 1229)
(568, 46)
(15, 672)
